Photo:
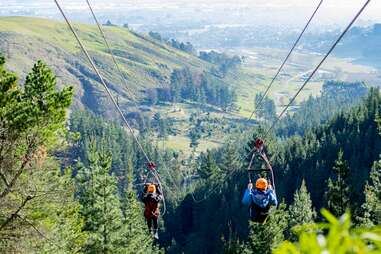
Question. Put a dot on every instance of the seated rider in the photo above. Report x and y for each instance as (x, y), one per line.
(151, 197)
(260, 200)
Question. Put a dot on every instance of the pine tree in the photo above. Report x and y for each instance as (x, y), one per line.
(32, 117)
(267, 109)
(265, 237)
(337, 194)
(371, 208)
(100, 206)
(301, 211)
(63, 218)
(230, 158)
(208, 166)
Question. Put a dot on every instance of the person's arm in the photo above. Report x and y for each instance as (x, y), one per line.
(273, 199)
(142, 197)
(158, 197)
(143, 194)
(158, 189)
(246, 200)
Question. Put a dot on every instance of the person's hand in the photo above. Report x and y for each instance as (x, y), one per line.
(270, 187)
(250, 186)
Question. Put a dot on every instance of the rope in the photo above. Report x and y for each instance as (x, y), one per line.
(249, 167)
(264, 157)
(317, 67)
(124, 78)
(259, 104)
(262, 154)
(157, 177)
(270, 168)
(109, 94)
(102, 82)
(121, 73)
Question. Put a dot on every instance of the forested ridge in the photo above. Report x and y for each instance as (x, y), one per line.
(310, 163)
(73, 183)
(80, 180)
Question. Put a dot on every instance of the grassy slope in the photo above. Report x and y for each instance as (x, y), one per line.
(25, 40)
(148, 64)
(262, 63)
(28, 39)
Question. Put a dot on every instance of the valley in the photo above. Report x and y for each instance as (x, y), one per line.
(160, 140)
(147, 64)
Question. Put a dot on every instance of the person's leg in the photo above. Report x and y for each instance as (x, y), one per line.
(258, 214)
(155, 224)
(149, 223)
(261, 218)
(155, 227)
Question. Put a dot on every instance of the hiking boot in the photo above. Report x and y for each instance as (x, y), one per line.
(155, 234)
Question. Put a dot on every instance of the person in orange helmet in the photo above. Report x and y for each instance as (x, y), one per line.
(151, 197)
(259, 199)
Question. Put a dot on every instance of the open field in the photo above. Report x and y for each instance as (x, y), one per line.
(262, 63)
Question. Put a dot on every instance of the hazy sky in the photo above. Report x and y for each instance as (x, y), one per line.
(331, 11)
(337, 3)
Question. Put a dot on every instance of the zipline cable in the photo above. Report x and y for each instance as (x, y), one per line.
(123, 77)
(310, 77)
(103, 82)
(159, 182)
(109, 93)
(259, 103)
(317, 67)
(121, 73)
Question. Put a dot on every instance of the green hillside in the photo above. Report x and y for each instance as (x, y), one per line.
(148, 64)
(145, 62)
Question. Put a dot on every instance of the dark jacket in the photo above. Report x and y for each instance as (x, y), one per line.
(151, 202)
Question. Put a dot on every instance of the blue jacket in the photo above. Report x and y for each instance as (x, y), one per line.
(260, 198)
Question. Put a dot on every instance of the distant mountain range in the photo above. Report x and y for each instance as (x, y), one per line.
(364, 44)
(361, 43)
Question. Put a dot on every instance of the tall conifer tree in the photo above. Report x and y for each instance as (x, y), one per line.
(100, 206)
(265, 237)
(337, 194)
(301, 210)
(372, 207)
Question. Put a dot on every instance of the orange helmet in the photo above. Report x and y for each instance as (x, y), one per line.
(261, 184)
(151, 188)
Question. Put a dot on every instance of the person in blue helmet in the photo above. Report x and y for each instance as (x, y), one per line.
(260, 200)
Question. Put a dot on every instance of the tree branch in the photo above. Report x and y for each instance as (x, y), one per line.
(15, 214)
(14, 179)
(2, 176)
(32, 225)
(39, 232)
